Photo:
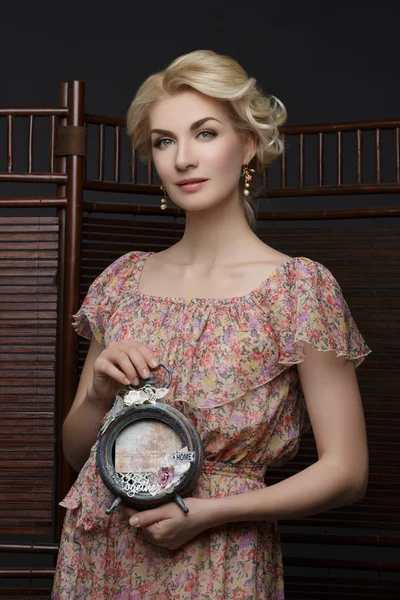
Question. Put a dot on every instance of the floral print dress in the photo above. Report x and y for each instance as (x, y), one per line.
(234, 375)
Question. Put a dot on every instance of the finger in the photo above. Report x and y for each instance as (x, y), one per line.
(150, 357)
(125, 364)
(106, 368)
(122, 358)
(130, 361)
(139, 361)
(148, 517)
(139, 354)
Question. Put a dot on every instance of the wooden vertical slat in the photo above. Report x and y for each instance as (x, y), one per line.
(264, 179)
(101, 152)
(149, 172)
(320, 159)
(339, 158)
(359, 157)
(301, 160)
(10, 152)
(52, 142)
(30, 144)
(75, 173)
(378, 156)
(117, 147)
(133, 161)
(64, 473)
(283, 163)
(397, 153)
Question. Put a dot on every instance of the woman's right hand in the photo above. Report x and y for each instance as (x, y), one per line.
(120, 363)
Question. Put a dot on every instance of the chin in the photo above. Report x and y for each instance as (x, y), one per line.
(195, 203)
(195, 207)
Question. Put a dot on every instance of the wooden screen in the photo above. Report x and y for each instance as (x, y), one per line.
(350, 552)
(32, 249)
(28, 321)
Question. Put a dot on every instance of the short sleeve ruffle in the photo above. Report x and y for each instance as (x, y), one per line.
(99, 303)
(309, 306)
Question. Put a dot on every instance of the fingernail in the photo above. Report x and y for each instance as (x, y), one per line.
(154, 362)
(126, 381)
(146, 372)
(136, 381)
(134, 521)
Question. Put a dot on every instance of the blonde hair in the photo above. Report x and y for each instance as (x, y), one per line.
(220, 77)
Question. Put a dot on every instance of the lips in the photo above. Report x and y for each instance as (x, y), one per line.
(191, 185)
(188, 181)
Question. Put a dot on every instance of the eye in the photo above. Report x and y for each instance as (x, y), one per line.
(162, 143)
(207, 134)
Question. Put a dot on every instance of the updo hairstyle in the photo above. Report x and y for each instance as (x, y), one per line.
(220, 77)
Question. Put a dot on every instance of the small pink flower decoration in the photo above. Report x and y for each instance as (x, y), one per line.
(165, 475)
(171, 472)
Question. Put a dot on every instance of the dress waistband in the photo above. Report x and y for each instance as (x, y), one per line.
(234, 470)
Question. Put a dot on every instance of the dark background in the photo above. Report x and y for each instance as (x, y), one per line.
(326, 61)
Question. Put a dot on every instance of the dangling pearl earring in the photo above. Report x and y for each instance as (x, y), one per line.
(247, 178)
(163, 200)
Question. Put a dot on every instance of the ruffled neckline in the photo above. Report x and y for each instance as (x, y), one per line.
(184, 300)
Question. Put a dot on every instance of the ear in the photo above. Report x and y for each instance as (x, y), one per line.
(249, 148)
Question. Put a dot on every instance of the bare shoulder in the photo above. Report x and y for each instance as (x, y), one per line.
(159, 261)
(272, 257)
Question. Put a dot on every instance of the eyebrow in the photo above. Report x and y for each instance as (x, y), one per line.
(194, 125)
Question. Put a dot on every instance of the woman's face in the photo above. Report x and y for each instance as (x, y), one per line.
(193, 139)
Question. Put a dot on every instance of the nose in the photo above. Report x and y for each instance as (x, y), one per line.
(185, 156)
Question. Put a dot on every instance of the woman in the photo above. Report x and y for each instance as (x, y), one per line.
(255, 340)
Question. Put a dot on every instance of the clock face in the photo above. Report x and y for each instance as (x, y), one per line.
(142, 446)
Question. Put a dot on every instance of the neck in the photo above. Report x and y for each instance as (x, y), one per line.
(217, 236)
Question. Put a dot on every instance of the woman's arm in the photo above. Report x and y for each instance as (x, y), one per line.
(339, 476)
(80, 427)
(105, 371)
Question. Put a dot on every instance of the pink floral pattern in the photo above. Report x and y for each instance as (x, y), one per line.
(234, 375)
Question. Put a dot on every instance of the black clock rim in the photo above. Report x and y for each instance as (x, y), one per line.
(158, 412)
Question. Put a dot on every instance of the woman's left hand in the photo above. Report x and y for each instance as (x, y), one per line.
(168, 526)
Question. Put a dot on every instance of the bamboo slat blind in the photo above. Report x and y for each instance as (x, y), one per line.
(25, 594)
(28, 299)
(333, 587)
